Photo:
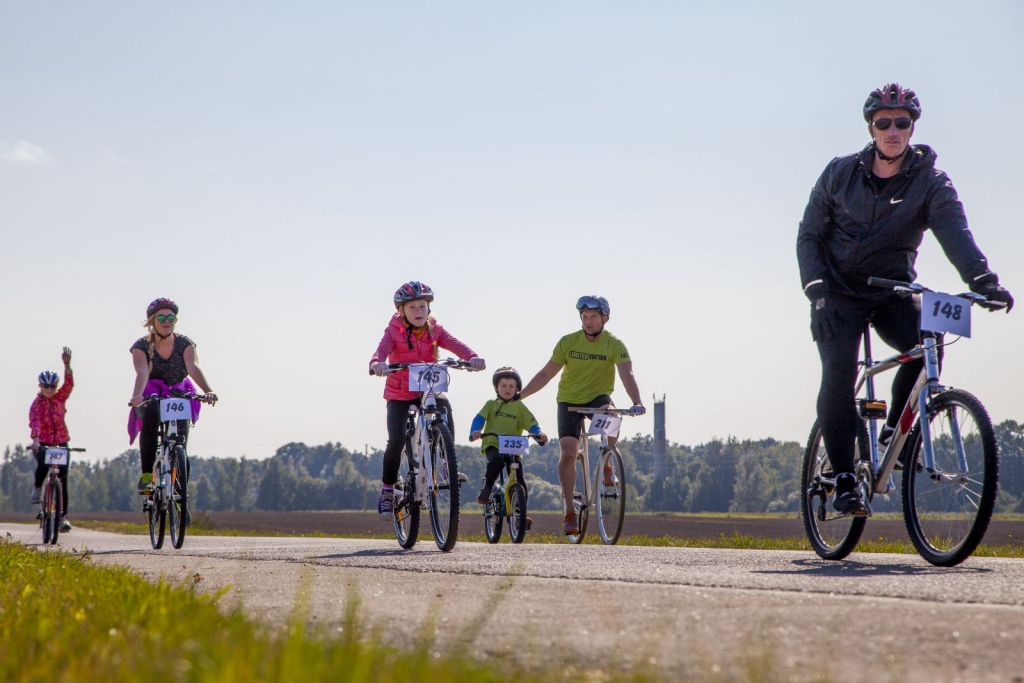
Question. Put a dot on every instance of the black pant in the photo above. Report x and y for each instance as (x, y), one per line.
(398, 412)
(496, 461)
(42, 469)
(148, 435)
(897, 322)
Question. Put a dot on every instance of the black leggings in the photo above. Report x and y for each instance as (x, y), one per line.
(496, 461)
(42, 469)
(398, 412)
(897, 322)
(148, 435)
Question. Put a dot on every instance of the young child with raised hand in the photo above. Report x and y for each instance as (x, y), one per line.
(46, 420)
(505, 414)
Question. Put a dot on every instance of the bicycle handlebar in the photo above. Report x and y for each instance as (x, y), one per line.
(603, 411)
(914, 288)
(535, 437)
(189, 397)
(447, 363)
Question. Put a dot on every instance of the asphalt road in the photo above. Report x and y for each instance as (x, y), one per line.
(676, 610)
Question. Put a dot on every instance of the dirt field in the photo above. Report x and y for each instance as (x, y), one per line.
(678, 526)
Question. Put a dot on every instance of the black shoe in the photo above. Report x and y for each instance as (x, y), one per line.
(848, 500)
(484, 496)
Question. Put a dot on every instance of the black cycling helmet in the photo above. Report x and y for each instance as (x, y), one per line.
(593, 302)
(507, 372)
(413, 291)
(893, 96)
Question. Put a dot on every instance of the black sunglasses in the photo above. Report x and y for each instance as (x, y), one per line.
(902, 123)
(49, 386)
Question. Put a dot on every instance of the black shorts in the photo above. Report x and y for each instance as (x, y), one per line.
(571, 424)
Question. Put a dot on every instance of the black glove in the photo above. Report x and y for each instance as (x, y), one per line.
(989, 286)
(824, 317)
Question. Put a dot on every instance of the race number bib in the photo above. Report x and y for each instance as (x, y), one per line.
(426, 377)
(605, 424)
(945, 313)
(513, 445)
(56, 456)
(175, 409)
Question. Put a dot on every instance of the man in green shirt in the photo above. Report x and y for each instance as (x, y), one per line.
(590, 357)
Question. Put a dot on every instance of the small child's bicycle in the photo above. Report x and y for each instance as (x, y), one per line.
(51, 503)
(508, 498)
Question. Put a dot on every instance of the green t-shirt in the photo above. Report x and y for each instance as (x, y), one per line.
(503, 418)
(589, 367)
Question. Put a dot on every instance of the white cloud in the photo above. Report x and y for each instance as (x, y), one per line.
(113, 156)
(22, 152)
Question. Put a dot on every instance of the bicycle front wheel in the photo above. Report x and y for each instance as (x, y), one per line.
(579, 498)
(832, 536)
(494, 513)
(517, 513)
(406, 518)
(444, 493)
(611, 495)
(177, 504)
(947, 511)
(51, 512)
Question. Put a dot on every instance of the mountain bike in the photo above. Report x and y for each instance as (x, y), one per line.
(608, 493)
(944, 444)
(508, 498)
(428, 442)
(168, 496)
(51, 502)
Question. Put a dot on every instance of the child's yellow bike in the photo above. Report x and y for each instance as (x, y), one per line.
(508, 497)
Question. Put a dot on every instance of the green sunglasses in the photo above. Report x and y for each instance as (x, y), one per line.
(169, 318)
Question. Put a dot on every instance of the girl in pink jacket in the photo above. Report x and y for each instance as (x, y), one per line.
(412, 336)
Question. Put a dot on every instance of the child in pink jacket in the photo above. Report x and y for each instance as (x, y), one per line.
(46, 422)
(412, 336)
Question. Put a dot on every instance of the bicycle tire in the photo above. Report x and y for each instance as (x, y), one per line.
(406, 517)
(579, 499)
(494, 514)
(444, 495)
(177, 500)
(517, 513)
(947, 517)
(157, 516)
(833, 537)
(611, 499)
(51, 528)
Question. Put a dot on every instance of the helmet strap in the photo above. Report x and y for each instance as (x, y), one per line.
(891, 160)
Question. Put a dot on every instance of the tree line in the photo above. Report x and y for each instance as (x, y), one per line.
(722, 475)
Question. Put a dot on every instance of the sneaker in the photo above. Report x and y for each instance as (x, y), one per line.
(463, 478)
(145, 484)
(36, 493)
(484, 496)
(529, 522)
(65, 525)
(848, 500)
(386, 504)
(570, 527)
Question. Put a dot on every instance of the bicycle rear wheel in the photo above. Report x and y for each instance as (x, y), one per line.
(444, 494)
(157, 515)
(947, 512)
(579, 497)
(406, 520)
(517, 513)
(494, 513)
(177, 502)
(51, 511)
(832, 536)
(611, 495)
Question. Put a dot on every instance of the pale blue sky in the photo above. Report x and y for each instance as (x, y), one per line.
(280, 169)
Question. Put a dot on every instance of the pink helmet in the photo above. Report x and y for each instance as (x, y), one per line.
(413, 291)
(157, 304)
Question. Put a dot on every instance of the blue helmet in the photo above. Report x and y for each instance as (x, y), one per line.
(593, 303)
(48, 377)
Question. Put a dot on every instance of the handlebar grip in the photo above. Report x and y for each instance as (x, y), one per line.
(883, 282)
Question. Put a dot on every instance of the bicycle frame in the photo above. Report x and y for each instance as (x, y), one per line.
(882, 464)
(419, 436)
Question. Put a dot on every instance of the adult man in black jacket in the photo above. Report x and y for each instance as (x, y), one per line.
(866, 217)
